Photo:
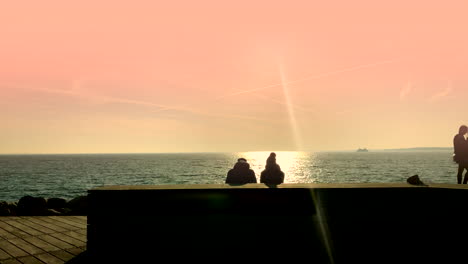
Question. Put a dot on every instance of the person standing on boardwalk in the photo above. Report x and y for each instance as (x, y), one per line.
(460, 149)
(272, 173)
(241, 173)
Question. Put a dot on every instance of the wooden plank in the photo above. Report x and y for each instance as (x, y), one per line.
(40, 228)
(68, 239)
(25, 228)
(75, 251)
(4, 255)
(11, 249)
(62, 254)
(56, 242)
(29, 248)
(78, 219)
(15, 231)
(82, 218)
(49, 259)
(76, 235)
(67, 227)
(41, 244)
(64, 219)
(82, 231)
(5, 234)
(11, 261)
(30, 260)
(40, 221)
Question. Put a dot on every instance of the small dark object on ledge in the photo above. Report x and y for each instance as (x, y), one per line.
(414, 180)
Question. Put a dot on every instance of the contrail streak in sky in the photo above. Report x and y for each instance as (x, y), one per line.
(161, 107)
(317, 76)
(136, 102)
(89, 96)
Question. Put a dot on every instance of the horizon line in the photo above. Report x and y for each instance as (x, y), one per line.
(194, 152)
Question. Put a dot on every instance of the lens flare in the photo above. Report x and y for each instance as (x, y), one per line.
(290, 109)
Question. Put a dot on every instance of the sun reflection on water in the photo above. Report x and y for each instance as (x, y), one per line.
(295, 164)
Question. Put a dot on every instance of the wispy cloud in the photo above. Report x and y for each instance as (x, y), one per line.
(441, 94)
(77, 92)
(163, 108)
(406, 90)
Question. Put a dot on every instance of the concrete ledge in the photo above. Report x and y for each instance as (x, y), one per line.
(327, 223)
(281, 186)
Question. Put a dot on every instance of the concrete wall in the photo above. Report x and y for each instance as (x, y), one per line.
(318, 223)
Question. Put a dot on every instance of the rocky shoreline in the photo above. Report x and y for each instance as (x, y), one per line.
(40, 206)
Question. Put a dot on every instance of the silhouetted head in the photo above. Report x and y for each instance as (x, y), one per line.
(271, 159)
(241, 164)
(463, 130)
(271, 162)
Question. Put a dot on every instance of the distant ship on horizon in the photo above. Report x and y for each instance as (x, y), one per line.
(362, 150)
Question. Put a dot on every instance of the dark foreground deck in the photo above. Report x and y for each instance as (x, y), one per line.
(41, 239)
(290, 223)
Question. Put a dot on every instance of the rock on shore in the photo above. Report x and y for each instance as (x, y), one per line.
(39, 206)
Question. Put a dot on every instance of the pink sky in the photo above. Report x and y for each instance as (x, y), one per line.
(177, 76)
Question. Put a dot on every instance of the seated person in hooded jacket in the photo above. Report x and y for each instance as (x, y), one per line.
(272, 173)
(241, 173)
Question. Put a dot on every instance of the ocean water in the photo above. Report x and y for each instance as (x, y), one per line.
(67, 176)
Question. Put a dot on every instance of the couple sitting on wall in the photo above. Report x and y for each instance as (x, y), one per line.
(460, 153)
(241, 173)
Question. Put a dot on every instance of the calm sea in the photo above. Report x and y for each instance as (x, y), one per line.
(68, 176)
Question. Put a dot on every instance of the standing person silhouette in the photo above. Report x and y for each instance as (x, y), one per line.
(241, 173)
(272, 173)
(460, 149)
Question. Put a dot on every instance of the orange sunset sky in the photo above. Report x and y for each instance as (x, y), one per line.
(192, 76)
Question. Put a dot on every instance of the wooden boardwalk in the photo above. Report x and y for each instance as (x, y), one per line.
(41, 239)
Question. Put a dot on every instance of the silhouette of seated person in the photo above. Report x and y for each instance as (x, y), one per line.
(272, 175)
(241, 173)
